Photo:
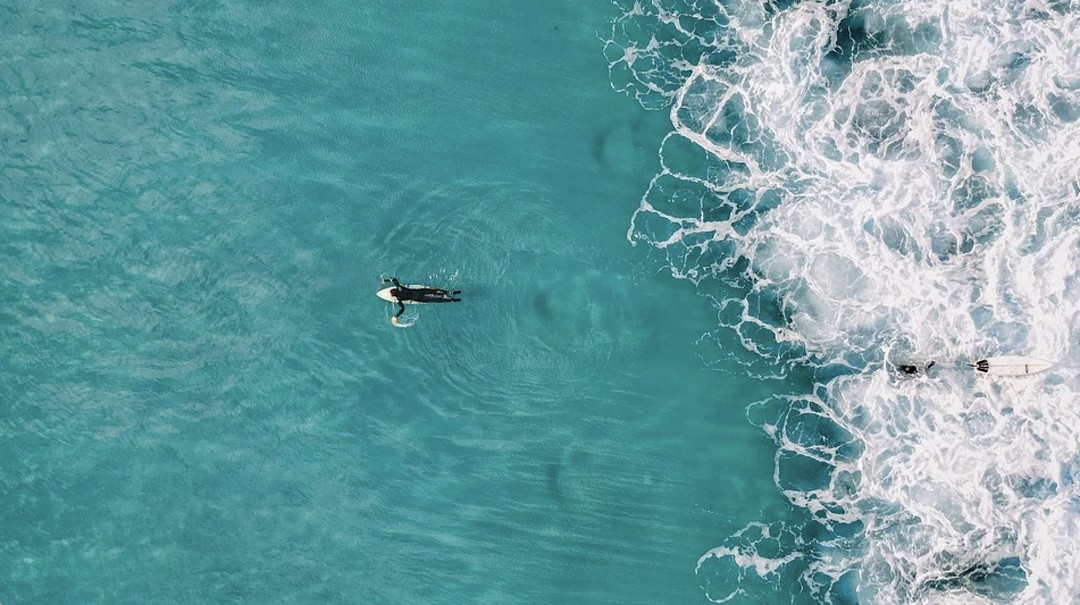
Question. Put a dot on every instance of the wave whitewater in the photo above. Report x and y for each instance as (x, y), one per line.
(874, 183)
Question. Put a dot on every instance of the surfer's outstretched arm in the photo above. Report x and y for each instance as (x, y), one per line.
(394, 319)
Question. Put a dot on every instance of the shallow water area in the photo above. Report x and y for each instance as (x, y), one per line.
(203, 400)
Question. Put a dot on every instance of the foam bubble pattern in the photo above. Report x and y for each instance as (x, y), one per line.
(899, 181)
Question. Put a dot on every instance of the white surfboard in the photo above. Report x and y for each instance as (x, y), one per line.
(1011, 365)
(385, 294)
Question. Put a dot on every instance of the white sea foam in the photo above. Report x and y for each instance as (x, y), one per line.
(899, 181)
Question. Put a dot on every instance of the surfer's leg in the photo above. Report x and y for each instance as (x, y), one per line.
(436, 298)
(438, 292)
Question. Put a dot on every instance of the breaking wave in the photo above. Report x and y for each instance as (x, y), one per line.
(859, 184)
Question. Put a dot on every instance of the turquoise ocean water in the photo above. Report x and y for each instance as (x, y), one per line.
(695, 238)
(202, 401)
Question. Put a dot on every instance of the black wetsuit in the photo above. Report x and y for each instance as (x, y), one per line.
(420, 295)
(913, 369)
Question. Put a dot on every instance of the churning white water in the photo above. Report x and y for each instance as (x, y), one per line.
(875, 183)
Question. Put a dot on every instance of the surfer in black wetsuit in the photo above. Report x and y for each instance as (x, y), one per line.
(418, 295)
(907, 368)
